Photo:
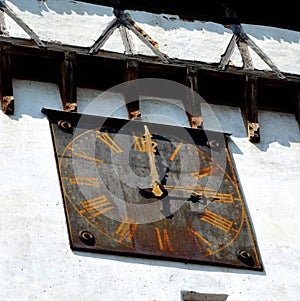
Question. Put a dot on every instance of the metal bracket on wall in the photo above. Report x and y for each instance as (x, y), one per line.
(125, 23)
(4, 8)
(242, 40)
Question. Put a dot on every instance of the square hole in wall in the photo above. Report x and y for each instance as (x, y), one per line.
(194, 296)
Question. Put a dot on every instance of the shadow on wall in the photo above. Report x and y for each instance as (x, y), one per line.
(167, 22)
(39, 7)
(277, 127)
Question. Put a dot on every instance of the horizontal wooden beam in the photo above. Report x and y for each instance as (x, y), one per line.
(107, 69)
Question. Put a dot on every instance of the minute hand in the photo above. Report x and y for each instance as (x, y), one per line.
(153, 170)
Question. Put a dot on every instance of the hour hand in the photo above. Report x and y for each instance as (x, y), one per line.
(151, 145)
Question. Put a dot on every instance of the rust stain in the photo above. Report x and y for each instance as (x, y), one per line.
(145, 35)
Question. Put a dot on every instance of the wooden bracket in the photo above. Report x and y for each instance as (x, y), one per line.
(192, 103)
(297, 104)
(240, 33)
(242, 40)
(124, 22)
(245, 54)
(131, 93)
(68, 88)
(249, 109)
(6, 85)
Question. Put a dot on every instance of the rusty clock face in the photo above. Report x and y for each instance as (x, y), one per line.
(151, 190)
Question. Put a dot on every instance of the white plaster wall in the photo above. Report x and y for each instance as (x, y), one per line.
(78, 23)
(36, 262)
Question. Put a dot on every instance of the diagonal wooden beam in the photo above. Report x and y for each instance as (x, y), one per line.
(240, 33)
(21, 23)
(6, 85)
(3, 29)
(228, 53)
(143, 36)
(108, 31)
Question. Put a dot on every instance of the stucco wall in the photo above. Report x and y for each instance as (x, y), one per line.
(78, 23)
(36, 260)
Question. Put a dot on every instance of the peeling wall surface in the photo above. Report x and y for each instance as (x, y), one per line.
(36, 262)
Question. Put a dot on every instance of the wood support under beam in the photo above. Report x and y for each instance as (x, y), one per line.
(6, 85)
(245, 54)
(131, 93)
(68, 88)
(249, 109)
(297, 109)
(193, 101)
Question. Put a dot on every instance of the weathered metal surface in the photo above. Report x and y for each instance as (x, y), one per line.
(151, 193)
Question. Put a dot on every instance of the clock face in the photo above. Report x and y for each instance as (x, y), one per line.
(145, 189)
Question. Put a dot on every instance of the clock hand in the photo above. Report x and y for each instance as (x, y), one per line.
(153, 170)
(196, 189)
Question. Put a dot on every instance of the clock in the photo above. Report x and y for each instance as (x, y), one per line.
(151, 190)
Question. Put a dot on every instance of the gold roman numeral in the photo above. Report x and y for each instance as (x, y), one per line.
(199, 239)
(140, 144)
(216, 220)
(223, 198)
(126, 230)
(96, 206)
(164, 241)
(177, 149)
(205, 172)
(105, 137)
(85, 181)
(78, 152)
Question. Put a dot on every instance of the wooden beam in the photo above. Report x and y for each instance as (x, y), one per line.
(108, 31)
(3, 29)
(126, 38)
(245, 54)
(131, 93)
(240, 33)
(141, 34)
(228, 53)
(249, 109)
(68, 87)
(21, 23)
(297, 104)
(193, 101)
(6, 85)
